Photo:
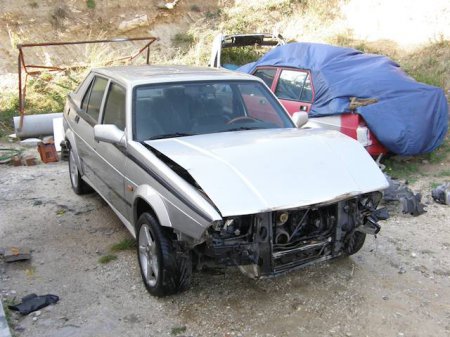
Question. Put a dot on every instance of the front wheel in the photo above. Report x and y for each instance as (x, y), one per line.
(354, 242)
(79, 186)
(164, 270)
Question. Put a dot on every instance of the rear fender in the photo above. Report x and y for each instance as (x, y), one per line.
(72, 144)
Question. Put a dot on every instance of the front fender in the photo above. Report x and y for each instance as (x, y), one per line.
(154, 200)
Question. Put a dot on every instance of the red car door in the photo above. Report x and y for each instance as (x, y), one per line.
(295, 90)
(293, 87)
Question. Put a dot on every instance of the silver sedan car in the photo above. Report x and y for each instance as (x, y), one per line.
(205, 165)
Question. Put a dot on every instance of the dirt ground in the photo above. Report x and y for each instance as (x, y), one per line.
(397, 285)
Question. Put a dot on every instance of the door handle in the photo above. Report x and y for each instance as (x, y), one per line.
(303, 108)
(77, 119)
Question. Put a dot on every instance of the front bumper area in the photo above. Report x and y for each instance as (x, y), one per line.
(274, 243)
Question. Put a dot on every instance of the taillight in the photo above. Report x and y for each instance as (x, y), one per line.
(363, 135)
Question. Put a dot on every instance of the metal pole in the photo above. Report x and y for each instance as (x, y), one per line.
(20, 90)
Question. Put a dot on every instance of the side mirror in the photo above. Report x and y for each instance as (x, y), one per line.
(300, 118)
(109, 133)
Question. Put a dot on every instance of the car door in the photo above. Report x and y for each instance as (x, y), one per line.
(87, 117)
(294, 89)
(110, 158)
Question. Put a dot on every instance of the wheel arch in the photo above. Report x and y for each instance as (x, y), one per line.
(72, 145)
(148, 200)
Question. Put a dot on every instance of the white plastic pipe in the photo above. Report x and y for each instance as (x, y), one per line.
(36, 125)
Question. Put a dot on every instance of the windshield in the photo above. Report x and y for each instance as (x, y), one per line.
(184, 109)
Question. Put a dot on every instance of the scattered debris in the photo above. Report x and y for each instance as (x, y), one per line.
(47, 151)
(12, 254)
(441, 194)
(33, 302)
(169, 5)
(6, 155)
(410, 202)
(31, 142)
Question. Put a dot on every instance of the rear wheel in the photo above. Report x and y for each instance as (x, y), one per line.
(354, 242)
(164, 270)
(79, 186)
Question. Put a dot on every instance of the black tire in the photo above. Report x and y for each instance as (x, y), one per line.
(354, 242)
(79, 186)
(173, 270)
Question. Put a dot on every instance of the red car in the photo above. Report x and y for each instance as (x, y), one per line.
(295, 90)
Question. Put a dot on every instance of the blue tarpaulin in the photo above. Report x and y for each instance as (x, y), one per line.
(408, 118)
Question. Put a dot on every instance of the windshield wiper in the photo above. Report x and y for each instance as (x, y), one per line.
(244, 128)
(172, 135)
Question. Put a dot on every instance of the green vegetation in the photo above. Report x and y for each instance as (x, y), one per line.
(6, 302)
(195, 8)
(178, 330)
(445, 173)
(107, 258)
(45, 93)
(401, 169)
(90, 4)
(125, 244)
(242, 55)
(183, 39)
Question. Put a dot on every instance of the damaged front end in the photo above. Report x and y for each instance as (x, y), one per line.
(273, 243)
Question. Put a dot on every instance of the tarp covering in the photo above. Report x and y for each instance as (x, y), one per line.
(408, 118)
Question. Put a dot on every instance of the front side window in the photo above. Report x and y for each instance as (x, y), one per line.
(115, 106)
(267, 75)
(181, 109)
(290, 84)
(93, 98)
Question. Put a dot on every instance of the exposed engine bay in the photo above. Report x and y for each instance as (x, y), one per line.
(272, 243)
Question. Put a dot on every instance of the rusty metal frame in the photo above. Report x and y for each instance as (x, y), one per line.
(29, 69)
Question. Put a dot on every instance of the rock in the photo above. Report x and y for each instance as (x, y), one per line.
(413, 255)
(385, 297)
(37, 313)
(12, 254)
(35, 319)
(402, 270)
(139, 21)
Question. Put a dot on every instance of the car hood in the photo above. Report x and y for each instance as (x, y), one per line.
(248, 172)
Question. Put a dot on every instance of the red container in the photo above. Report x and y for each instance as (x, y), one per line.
(48, 152)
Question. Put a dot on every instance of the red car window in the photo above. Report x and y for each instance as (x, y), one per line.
(267, 75)
(290, 84)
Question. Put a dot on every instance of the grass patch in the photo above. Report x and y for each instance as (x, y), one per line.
(445, 173)
(177, 330)
(125, 244)
(433, 185)
(107, 258)
(401, 169)
(242, 55)
(90, 4)
(8, 312)
(183, 39)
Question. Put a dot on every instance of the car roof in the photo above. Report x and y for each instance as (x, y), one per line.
(147, 74)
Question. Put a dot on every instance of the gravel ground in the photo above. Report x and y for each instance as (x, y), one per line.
(397, 285)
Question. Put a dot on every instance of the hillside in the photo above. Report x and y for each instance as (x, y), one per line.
(417, 35)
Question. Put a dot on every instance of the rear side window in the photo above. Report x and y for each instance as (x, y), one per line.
(290, 84)
(115, 106)
(267, 75)
(93, 98)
